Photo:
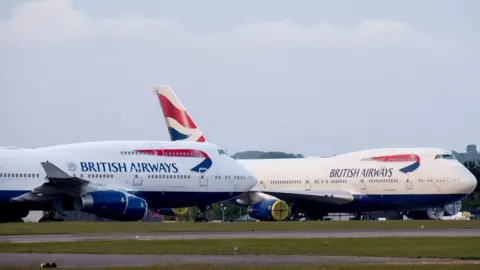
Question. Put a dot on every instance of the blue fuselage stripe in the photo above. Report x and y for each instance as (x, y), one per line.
(360, 202)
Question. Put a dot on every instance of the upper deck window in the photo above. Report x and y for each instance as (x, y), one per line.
(222, 152)
(444, 156)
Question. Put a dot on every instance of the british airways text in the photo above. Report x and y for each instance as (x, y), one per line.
(139, 167)
(351, 173)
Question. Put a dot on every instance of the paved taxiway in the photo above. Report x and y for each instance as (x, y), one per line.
(98, 260)
(240, 235)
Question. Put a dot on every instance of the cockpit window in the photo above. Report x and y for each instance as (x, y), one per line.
(444, 156)
(222, 152)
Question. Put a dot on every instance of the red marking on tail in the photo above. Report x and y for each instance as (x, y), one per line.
(169, 110)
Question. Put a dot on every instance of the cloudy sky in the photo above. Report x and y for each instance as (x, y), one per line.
(314, 77)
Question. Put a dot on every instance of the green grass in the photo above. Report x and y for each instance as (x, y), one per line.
(431, 247)
(157, 227)
(293, 267)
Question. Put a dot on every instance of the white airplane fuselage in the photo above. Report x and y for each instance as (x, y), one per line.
(379, 180)
(396, 179)
(165, 174)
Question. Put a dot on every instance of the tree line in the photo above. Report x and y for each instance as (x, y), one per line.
(471, 160)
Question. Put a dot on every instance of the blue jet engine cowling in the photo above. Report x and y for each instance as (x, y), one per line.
(112, 204)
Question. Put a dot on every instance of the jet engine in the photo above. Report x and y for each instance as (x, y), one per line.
(112, 204)
(271, 210)
(173, 212)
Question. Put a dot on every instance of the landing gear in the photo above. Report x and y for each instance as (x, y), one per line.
(296, 217)
(357, 216)
(307, 216)
(50, 216)
(202, 217)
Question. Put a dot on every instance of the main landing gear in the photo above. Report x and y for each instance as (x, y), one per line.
(202, 217)
(363, 216)
(50, 216)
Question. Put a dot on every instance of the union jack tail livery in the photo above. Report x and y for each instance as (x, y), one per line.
(180, 125)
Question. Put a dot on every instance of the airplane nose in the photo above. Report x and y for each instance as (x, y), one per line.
(469, 182)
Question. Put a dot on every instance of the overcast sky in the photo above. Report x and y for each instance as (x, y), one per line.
(312, 77)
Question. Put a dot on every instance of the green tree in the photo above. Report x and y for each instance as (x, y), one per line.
(230, 211)
(471, 160)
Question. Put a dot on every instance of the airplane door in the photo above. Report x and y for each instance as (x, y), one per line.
(308, 186)
(262, 184)
(362, 185)
(137, 180)
(203, 179)
(408, 183)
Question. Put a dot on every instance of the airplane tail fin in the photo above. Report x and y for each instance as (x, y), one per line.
(180, 125)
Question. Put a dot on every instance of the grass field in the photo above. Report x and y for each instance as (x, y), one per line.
(293, 267)
(150, 227)
(428, 247)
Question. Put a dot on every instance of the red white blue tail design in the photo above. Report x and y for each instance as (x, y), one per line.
(180, 125)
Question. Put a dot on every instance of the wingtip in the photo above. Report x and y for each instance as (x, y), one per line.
(53, 171)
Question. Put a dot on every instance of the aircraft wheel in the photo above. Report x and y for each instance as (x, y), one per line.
(358, 216)
(47, 219)
(43, 219)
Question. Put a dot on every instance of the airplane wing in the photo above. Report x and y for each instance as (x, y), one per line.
(58, 185)
(328, 196)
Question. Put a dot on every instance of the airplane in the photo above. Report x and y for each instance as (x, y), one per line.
(418, 182)
(117, 180)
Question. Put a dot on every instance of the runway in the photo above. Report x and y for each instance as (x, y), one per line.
(99, 260)
(240, 235)
(103, 260)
